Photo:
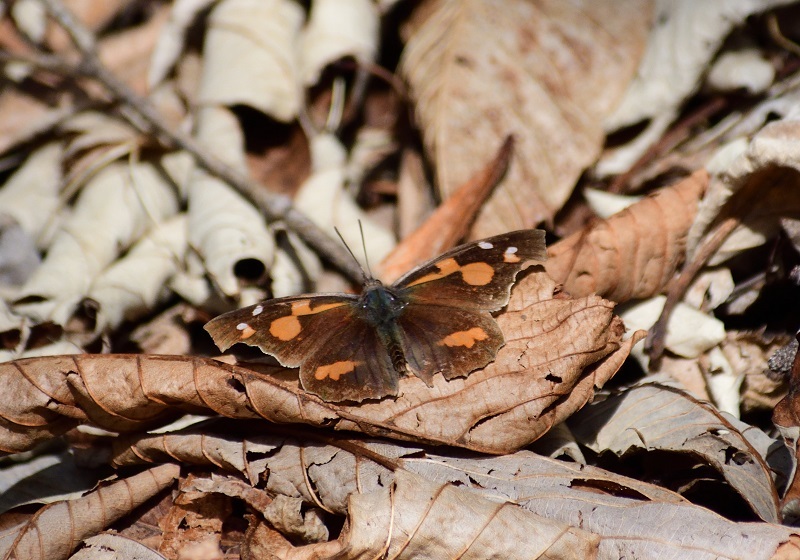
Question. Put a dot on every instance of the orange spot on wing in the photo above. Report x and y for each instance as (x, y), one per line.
(474, 274)
(477, 273)
(285, 328)
(335, 370)
(247, 332)
(288, 327)
(303, 307)
(510, 258)
(464, 338)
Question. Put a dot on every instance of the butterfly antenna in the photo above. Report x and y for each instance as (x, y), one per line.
(364, 247)
(346, 246)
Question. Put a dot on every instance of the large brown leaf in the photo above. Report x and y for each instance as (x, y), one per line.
(557, 351)
(546, 71)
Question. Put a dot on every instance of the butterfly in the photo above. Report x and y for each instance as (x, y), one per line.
(435, 318)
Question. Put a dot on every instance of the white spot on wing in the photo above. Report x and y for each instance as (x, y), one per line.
(511, 250)
(257, 310)
(242, 326)
(485, 245)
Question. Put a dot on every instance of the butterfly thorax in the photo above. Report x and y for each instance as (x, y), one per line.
(379, 304)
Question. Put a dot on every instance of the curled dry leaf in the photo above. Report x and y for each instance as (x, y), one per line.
(757, 188)
(634, 253)
(58, 528)
(557, 351)
(335, 29)
(260, 36)
(134, 284)
(325, 200)
(540, 70)
(686, 37)
(652, 417)
(225, 228)
(31, 194)
(114, 209)
(114, 546)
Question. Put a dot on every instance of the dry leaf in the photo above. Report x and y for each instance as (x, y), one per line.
(686, 36)
(249, 56)
(108, 546)
(324, 199)
(652, 417)
(57, 529)
(113, 210)
(758, 187)
(225, 228)
(31, 194)
(557, 351)
(336, 29)
(480, 71)
(634, 253)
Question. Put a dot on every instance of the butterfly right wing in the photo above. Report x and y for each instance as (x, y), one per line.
(290, 328)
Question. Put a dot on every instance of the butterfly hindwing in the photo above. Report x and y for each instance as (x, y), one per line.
(475, 275)
(290, 329)
(450, 340)
(354, 365)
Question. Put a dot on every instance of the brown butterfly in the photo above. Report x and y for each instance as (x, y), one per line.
(436, 318)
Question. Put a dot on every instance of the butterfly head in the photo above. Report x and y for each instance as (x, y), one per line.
(379, 304)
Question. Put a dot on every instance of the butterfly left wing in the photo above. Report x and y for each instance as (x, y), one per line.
(290, 328)
(476, 275)
(338, 353)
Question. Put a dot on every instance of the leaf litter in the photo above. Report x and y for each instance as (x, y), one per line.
(139, 232)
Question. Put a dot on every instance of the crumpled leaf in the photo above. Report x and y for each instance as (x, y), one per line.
(249, 56)
(651, 417)
(417, 518)
(335, 29)
(540, 70)
(631, 517)
(113, 210)
(557, 351)
(57, 529)
(757, 187)
(634, 253)
(679, 47)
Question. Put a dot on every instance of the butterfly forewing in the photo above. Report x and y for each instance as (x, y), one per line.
(291, 328)
(475, 275)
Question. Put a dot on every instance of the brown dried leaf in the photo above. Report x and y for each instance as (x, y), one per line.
(653, 417)
(417, 518)
(634, 253)
(557, 351)
(540, 70)
(55, 530)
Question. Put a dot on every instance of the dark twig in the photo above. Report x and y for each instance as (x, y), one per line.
(275, 207)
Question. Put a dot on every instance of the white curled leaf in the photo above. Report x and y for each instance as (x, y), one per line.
(115, 208)
(31, 195)
(747, 69)
(31, 18)
(250, 56)
(172, 38)
(291, 272)
(224, 228)
(336, 29)
(134, 284)
(689, 332)
(685, 37)
(190, 283)
(92, 129)
(324, 199)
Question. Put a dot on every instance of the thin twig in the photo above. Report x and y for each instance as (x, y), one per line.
(274, 206)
